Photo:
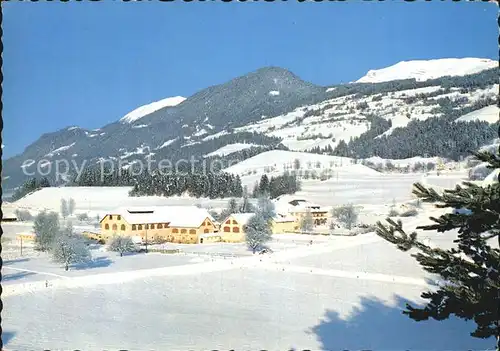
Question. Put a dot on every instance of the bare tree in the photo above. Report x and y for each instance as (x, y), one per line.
(64, 208)
(71, 206)
(122, 244)
(265, 207)
(346, 215)
(307, 222)
(46, 228)
(257, 232)
(83, 217)
(23, 215)
(296, 164)
(246, 205)
(232, 206)
(69, 248)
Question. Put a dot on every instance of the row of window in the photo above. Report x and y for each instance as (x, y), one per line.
(314, 214)
(115, 227)
(152, 226)
(137, 227)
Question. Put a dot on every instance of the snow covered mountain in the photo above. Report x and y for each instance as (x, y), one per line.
(272, 108)
(150, 108)
(422, 70)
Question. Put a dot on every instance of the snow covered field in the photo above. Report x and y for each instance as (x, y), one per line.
(338, 293)
(96, 200)
(325, 296)
(225, 150)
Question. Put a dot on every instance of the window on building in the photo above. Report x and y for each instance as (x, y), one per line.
(175, 230)
(119, 217)
(115, 227)
(139, 227)
(159, 226)
(147, 226)
(106, 226)
(206, 231)
(183, 231)
(110, 216)
(228, 221)
(123, 227)
(152, 226)
(192, 231)
(236, 229)
(134, 227)
(234, 222)
(227, 229)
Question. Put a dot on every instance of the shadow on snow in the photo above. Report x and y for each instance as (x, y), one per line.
(7, 336)
(98, 262)
(16, 276)
(376, 326)
(17, 260)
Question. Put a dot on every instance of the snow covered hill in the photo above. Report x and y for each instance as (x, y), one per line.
(279, 160)
(488, 114)
(224, 120)
(230, 148)
(428, 69)
(332, 120)
(150, 108)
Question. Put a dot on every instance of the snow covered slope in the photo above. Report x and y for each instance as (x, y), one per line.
(280, 159)
(326, 123)
(230, 148)
(150, 108)
(428, 69)
(488, 114)
(96, 200)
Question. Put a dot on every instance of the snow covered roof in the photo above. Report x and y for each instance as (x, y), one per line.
(176, 216)
(283, 218)
(241, 218)
(285, 205)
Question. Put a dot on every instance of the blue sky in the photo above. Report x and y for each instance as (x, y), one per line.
(88, 64)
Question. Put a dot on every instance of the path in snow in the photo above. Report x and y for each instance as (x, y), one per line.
(196, 268)
(219, 264)
(385, 278)
(36, 272)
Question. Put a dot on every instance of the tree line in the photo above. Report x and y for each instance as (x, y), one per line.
(211, 185)
(276, 185)
(31, 185)
(155, 183)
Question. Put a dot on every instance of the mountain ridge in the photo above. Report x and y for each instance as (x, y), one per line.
(225, 114)
(428, 69)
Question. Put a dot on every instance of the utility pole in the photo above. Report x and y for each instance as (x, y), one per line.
(147, 227)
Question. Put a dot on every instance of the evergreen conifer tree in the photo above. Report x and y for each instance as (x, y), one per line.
(470, 287)
(264, 185)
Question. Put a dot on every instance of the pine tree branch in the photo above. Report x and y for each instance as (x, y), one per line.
(488, 157)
